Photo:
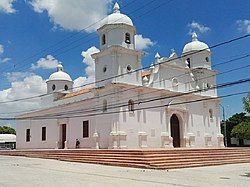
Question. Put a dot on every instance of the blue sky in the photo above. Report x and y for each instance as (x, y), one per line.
(28, 27)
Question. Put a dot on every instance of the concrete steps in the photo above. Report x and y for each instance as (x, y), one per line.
(197, 164)
(148, 158)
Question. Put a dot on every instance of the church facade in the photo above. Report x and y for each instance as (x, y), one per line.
(171, 104)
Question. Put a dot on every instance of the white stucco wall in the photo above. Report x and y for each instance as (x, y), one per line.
(115, 35)
(147, 126)
(36, 134)
(193, 118)
(59, 85)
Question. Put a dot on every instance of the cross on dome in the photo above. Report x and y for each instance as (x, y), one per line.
(116, 18)
(116, 8)
(157, 56)
(59, 67)
(194, 37)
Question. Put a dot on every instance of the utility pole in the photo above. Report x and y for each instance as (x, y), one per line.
(225, 124)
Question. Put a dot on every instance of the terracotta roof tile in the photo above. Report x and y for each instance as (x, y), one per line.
(145, 73)
(76, 93)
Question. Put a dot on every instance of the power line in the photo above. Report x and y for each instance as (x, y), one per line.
(161, 98)
(153, 9)
(152, 107)
(237, 58)
(241, 81)
(109, 30)
(158, 90)
(71, 36)
(136, 70)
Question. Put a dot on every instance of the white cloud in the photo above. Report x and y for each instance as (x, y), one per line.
(17, 76)
(73, 14)
(89, 70)
(25, 85)
(142, 43)
(28, 84)
(89, 61)
(194, 26)
(244, 25)
(45, 63)
(5, 60)
(7, 6)
(1, 49)
(79, 82)
(32, 85)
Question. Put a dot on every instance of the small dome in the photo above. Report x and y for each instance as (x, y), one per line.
(7, 138)
(60, 75)
(117, 18)
(195, 45)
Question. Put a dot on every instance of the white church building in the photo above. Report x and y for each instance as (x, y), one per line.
(168, 105)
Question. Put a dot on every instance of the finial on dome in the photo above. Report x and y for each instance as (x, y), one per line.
(157, 56)
(194, 36)
(116, 8)
(59, 67)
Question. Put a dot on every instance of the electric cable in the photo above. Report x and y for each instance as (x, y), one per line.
(134, 71)
(241, 81)
(159, 90)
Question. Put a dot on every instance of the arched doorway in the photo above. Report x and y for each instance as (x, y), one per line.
(175, 130)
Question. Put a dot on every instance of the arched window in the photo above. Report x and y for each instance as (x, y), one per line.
(66, 87)
(103, 39)
(127, 38)
(105, 105)
(104, 69)
(188, 61)
(131, 106)
(207, 59)
(53, 87)
(175, 84)
(211, 115)
(129, 68)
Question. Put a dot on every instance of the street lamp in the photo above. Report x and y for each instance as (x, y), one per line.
(225, 124)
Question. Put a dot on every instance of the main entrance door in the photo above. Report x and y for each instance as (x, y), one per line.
(63, 138)
(175, 130)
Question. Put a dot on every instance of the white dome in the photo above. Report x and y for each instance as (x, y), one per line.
(195, 45)
(7, 138)
(117, 18)
(60, 75)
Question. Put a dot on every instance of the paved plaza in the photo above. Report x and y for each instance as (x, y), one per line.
(20, 171)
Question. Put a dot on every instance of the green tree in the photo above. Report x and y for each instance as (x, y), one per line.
(242, 131)
(246, 103)
(242, 128)
(7, 130)
(231, 122)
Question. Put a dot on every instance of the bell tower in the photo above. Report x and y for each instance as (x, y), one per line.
(117, 29)
(197, 57)
(118, 58)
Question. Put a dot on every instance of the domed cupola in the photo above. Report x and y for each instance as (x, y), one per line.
(117, 29)
(117, 17)
(59, 81)
(195, 45)
(197, 54)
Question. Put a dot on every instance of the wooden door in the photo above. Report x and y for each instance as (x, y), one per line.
(64, 133)
(175, 130)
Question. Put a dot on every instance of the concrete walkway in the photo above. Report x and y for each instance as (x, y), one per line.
(19, 171)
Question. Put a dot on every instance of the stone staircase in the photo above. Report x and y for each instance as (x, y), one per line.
(144, 158)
